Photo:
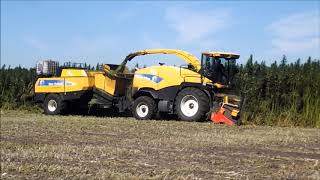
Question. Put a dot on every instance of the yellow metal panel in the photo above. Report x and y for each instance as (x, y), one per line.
(49, 85)
(105, 83)
(73, 73)
(99, 81)
(158, 77)
(63, 84)
(78, 83)
(170, 76)
(109, 85)
(143, 78)
(222, 54)
(190, 76)
(92, 73)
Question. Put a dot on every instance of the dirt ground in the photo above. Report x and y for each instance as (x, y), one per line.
(36, 146)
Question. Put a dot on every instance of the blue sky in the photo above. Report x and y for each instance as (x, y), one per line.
(106, 31)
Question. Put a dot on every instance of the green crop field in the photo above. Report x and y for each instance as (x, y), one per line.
(36, 146)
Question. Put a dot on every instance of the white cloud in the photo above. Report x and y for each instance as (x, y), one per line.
(297, 33)
(193, 26)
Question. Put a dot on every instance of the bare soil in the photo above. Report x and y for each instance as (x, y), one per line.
(36, 146)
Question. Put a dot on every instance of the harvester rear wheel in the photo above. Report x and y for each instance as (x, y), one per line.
(144, 108)
(53, 104)
(191, 104)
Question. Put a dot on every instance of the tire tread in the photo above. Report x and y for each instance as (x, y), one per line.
(202, 99)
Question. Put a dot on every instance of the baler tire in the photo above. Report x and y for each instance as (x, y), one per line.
(197, 98)
(145, 103)
(53, 105)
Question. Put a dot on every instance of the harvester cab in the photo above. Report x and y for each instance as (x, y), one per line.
(219, 67)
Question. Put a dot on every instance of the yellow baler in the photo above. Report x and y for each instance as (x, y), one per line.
(77, 87)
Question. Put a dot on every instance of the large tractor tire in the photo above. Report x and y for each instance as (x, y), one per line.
(191, 104)
(144, 108)
(53, 105)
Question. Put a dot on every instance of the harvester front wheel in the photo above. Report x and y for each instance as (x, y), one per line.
(53, 104)
(191, 104)
(144, 108)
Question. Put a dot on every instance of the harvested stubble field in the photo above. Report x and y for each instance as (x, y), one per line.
(35, 146)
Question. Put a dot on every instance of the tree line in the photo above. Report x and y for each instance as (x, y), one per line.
(283, 94)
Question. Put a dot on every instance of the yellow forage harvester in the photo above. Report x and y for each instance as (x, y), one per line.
(189, 91)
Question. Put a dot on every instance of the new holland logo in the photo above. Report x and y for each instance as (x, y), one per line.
(56, 83)
(149, 77)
